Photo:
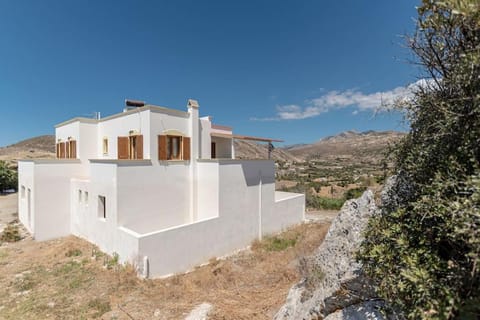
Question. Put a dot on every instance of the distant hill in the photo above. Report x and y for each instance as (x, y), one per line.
(251, 150)
(33, 148)
(365, 146)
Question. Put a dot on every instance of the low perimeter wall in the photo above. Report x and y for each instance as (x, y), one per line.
(288, 209)
(180, 249)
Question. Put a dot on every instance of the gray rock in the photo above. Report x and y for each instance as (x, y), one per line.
(368, 310)
(398, 189)
(200, 312)
(333, 279)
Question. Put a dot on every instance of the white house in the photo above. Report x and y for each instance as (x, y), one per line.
(160, 187)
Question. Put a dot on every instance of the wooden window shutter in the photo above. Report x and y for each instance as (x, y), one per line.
(139, 147)
(73, 149)
(122, 147)
(162, 147)
(62, 150)
(67, 149)
(186, 148)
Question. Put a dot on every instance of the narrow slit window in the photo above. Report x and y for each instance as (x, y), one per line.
(102, 207)
(105, 146)
(85, 198)
(22, 192)
(79, 196)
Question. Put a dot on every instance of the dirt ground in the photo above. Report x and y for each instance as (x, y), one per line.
(69, 279)
(8, 209)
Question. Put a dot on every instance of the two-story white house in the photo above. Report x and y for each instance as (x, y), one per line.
(160, 187)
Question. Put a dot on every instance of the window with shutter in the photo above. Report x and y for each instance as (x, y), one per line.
(62, 150)
(172, 147)
(138, 151)
(122, 147)
(162, 147)
(186, 148)
(73, 149)
(67, 149)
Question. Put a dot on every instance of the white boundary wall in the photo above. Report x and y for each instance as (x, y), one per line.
(247, 204)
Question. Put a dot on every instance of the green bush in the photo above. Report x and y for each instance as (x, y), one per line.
(276, 243)
(424, 253)
(8, 177)
(325, 203)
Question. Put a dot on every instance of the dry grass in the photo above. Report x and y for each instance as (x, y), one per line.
(60, 280)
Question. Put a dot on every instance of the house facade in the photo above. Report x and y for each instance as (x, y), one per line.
(159, 187)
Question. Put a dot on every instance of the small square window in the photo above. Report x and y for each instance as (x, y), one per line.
(102, 207)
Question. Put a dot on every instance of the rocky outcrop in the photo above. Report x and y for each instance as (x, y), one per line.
(334, 285)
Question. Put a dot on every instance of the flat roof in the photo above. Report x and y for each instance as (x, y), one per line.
(148, 107)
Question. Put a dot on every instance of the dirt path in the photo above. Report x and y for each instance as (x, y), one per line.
(321, 216)
(68, 279)
(8, 209)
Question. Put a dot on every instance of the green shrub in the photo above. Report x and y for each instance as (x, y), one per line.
(425, 252)
(277, 243)
(8, 177)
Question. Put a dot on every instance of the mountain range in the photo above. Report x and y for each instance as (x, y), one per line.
(361, 146)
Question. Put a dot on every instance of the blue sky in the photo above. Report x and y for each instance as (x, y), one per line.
(294, 70)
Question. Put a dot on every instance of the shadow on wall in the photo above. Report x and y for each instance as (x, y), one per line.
(256, 170)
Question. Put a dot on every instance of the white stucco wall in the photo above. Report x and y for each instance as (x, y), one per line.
(162, 122)
(205, 140)
(223, 147)
(153, 197)
(114, 127)
(208, 190)
(85, 219)
(26, 182)
(242, 199)
(87, 144)
(288, 210)
(51, 196)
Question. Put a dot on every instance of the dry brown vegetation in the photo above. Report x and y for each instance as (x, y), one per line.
(41, 147)
(60, 279)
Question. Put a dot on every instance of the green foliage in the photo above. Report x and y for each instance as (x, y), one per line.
(324, 203)
(8, 177)
(424, 253)
(111, 262)
(276, 243)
